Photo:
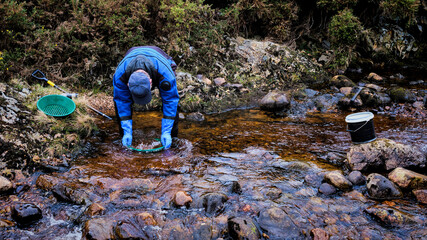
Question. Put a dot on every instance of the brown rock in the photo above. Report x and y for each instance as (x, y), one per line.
(219, 81)
(46, 182)
(408, 179)
(182, 199)
(99, 229)
(146, 219)
(346, 90)
(319, 234)
(338, 180)
(421, 195)
(95, 209)
(375, 77)
(384, 154)
(5, 185)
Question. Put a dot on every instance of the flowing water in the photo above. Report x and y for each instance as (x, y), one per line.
(276, 161)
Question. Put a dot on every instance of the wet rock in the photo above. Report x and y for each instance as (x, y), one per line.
(99, 229)
(419, 234)
(341, 81)
(275, 101)
(390, 216)
(319, 234)
(337, 179)
(327, 189)
(196, 117)
(219, 81)
(314, 180)
(214, 202)
(277, 224)
(233, 187)
(4, 223)
(346, 90)
(129, 229)
(418, 105)
(145, 218)
(175, 230)
(383, 99)
(369, 97)
(408, 179)
(274, 193)
(26, 213)
(46, 182)
(421, 195)
(181, 199)
(373, 77)
(402, 95)
(356, 195)
(371, 234)
(5, 185)
(310, 92)
(327, 102)
(374, 87)
(379, 187)
(73, 194)
(357, 178)
(95, 209)
(384, 154)
(243, 228)
(202, 231)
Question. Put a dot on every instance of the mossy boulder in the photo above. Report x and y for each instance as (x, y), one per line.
(340, 81)
(402, 95)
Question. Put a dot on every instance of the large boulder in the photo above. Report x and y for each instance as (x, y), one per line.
(408, 179)
(274, 101)
(379, 187)
(384, 154)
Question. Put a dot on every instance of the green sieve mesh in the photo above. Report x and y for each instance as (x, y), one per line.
(56, 105)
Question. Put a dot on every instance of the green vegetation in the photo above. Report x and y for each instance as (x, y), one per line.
(81, 42)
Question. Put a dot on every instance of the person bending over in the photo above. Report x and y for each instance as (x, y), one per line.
(141, 70)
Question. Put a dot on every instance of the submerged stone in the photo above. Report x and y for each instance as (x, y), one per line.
(99, 229)
(379, 187)
(277, 224)
(327, 189)
(391, 216)
(214, 202)
(319, 234)
(26, 213)
(243, 228)
(421, 195)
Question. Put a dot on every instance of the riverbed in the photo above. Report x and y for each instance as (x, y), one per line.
(257, 160)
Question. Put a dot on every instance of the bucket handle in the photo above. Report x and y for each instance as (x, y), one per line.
(348, 130)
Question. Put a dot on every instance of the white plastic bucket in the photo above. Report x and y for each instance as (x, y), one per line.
(361, 127)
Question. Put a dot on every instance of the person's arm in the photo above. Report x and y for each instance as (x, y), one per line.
(170, 99)
(123, 100)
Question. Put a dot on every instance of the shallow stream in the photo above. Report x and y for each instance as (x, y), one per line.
(257, 160)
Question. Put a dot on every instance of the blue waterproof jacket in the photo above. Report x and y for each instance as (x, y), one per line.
(161, 69)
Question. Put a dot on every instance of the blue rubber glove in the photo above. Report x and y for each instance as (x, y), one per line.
(127, 132)
(166, 138)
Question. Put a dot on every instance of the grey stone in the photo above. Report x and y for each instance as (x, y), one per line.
(357, 178)
(337, 179)
(275, 101)
(5, 185)
(327, 189)
(277, 224)
(408, 179)
(379, 187)
(243, 228)
(26, 213)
